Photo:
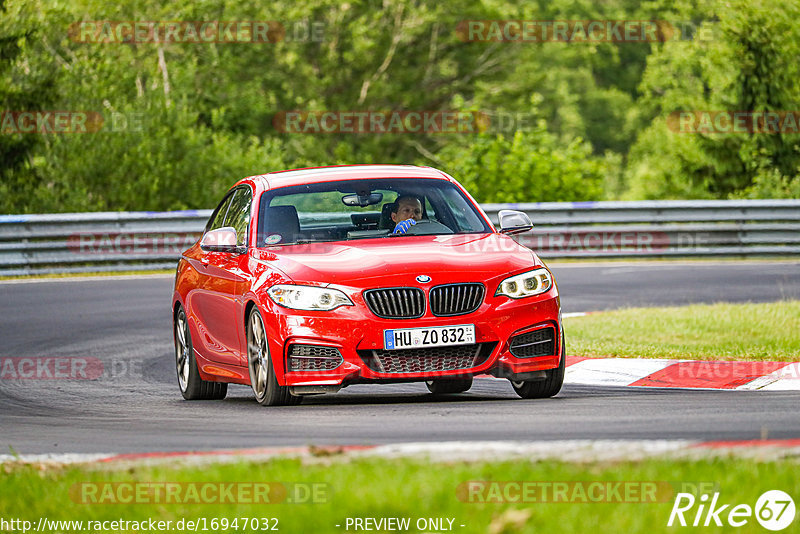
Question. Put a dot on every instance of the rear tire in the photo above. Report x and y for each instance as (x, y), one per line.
(259, 363)
(449, 385)
(191, 385)
(550, 386)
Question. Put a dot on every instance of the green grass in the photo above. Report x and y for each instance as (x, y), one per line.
(407, 488)
(759, 332)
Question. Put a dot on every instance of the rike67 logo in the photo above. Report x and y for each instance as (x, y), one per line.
(774, 510)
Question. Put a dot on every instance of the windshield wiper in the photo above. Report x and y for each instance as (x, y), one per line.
(399, 235)
(306, 241)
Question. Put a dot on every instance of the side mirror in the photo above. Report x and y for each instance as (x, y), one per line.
(514, 222)
(220, 240)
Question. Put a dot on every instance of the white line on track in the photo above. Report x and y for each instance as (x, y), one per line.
(582, 450)
(87, 278)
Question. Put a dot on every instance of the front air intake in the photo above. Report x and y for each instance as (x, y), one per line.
(540, 342)
(430, 360)
(313, 358)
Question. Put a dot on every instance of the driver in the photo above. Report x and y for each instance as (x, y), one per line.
(406, 212)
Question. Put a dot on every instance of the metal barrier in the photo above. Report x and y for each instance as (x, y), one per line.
(688, 228)
(92, 242)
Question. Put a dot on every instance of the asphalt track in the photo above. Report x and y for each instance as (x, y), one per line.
(136, 407)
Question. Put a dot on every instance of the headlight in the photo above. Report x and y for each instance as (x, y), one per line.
(528, 284)
(308, 297)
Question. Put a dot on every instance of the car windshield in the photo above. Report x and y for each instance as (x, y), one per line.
(349, 209)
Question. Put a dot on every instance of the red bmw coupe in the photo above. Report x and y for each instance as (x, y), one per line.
(309, 280)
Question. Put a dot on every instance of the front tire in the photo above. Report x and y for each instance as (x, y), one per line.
(445, 386)
(191, 385)
(550, 386)
(262, 373)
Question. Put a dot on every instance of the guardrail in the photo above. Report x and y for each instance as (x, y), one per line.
(665, 228)
(114, 241)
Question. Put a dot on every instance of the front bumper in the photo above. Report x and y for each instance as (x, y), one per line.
(354, 331)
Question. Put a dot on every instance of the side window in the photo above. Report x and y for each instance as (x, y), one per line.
(239, 214)
(218, 217)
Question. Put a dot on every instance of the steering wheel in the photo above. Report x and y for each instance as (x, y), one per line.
(428, 227)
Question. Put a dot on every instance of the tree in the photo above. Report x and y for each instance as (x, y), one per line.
(528, 167)
(23, 87)
(749, 64)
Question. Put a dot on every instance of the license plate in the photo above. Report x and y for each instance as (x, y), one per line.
(433, 336)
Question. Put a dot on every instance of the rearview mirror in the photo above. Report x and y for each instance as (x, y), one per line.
(362, 200)
(220, 240)
(513, 222)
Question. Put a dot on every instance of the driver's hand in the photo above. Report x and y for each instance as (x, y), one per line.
(403, 226)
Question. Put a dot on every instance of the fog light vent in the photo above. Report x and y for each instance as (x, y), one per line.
(532, 344)
(313, 358)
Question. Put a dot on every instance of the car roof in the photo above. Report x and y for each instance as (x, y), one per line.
(347, 172)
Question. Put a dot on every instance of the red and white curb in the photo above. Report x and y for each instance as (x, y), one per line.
(562, 450)
(697, 374)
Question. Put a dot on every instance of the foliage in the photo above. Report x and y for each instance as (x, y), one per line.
(530, 167)
(747, 63)
(20, 89)
(570, 120)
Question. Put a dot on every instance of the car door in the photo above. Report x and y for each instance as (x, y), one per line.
(217, 301)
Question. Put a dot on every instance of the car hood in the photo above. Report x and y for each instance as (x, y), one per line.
(445, 258)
